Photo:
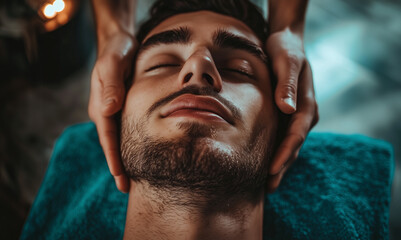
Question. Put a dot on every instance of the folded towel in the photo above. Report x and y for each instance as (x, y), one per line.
(339, 188)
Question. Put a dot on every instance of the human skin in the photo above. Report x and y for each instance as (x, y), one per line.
(199, 63)
(116, 46)
(294, 93)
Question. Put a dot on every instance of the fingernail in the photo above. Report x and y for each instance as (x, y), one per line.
(290, 102)
(109, 101)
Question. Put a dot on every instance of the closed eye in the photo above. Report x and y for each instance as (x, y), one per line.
(162, 66)
(239, 71)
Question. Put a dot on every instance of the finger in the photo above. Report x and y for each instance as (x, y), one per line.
(299, 126)
(287, 72)
(273, 183)
(122, 183)
(112, 89)
(107, 132)
(275, 180)
(291, 144)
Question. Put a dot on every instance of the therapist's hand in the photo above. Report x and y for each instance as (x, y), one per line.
(113, 65)
(293, 95)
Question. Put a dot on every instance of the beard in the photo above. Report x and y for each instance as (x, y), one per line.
(195, 163)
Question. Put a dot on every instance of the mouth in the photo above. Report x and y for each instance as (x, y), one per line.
(200, 107)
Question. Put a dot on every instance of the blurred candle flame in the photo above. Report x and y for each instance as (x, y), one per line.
(59, 5)
(50, 10)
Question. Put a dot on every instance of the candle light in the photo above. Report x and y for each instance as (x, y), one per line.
(51, 10)
(55, 13)
(59, 5)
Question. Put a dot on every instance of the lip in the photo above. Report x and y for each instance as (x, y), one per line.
(197, 103)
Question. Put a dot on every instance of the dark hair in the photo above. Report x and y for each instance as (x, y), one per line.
(243, 10)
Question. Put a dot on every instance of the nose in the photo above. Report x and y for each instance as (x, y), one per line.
(200, 69)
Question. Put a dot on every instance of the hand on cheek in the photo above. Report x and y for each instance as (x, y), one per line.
(107, 96)
(294, 95)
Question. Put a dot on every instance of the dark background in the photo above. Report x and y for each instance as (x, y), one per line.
(353, 45)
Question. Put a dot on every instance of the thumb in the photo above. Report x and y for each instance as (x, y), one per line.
(112, 97)
(112, 89)
(286, 90)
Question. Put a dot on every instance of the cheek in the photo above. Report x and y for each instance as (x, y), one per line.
(146, 90)
(139, 98)
(144, 93)
(248, 98)
(256, 106)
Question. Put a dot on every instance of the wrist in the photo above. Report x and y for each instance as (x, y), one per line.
(289, 32)
(106, 31)
(113, 17)
(285, 41)
(287, 15)
(296, 28)
(111, 31)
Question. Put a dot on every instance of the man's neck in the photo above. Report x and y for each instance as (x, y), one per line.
(150, 216)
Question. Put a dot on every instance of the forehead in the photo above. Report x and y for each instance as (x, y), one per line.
(204, 23)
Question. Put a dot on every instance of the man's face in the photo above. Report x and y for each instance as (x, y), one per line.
(201, 88)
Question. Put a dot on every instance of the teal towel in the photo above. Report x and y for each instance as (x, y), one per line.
(339, 188)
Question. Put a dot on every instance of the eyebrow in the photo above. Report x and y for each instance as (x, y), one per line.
(221, 38)
(224, 39)
(181, 35)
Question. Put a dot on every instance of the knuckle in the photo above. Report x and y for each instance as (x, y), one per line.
(111, 87)
(112, 90)
(291, 59)
(299, 138)
(310, 101)
(289, 88)
(109, 59)
(294, 58)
